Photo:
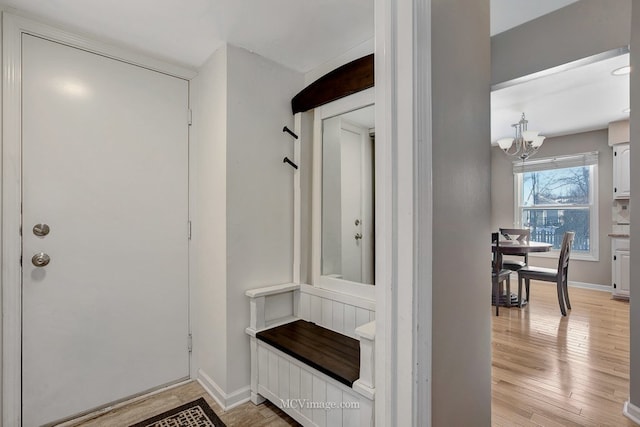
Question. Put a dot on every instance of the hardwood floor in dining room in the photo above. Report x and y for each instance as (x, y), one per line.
(550, 370)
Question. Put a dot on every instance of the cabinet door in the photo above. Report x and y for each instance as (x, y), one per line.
(621, 171)
(621, 267)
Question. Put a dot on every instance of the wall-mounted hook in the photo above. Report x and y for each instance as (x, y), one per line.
(286, 160)
(290, 132)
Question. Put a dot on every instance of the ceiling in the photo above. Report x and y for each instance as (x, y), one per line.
(506, 14)
(576, 100)
(303, 34)
(300, 34)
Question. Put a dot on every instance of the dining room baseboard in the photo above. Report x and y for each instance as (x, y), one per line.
(592, 286)
(571, 283)
(632, 412)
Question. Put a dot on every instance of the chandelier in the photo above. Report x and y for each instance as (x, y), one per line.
(526, 142)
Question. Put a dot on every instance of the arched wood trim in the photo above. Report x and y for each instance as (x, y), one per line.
(343, 81)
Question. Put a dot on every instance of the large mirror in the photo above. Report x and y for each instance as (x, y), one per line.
(347, 214)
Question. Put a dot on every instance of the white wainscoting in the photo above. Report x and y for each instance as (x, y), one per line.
(299, 390)
(339, 312)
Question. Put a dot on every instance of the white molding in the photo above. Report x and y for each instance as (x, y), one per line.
(272, 290)
(631, 411)
(361, 99)
(385, 350)
(357, 301)
(226, 401)
(592, 286)
(349, 103)
(316, 200)
(422, 145)
(11, 241)
(94, 414)
(13, 26)
(574, 284)
(404, 122)
(36, 28)
(346, 287)
(403, 212)
(297, 199)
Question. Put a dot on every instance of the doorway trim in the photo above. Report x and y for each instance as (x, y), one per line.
(13, 27)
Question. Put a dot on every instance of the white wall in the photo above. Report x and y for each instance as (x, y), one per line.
(259, 191)
(306, 177)
(461, 348)
(635, 204)
(363, 49)
(502, 199)
(242, 205)
(208, 188)
(582, 29)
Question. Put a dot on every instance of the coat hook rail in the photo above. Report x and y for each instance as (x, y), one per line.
(286, 160)
(290, 132)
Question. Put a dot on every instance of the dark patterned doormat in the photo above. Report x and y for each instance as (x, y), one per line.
(194, 414)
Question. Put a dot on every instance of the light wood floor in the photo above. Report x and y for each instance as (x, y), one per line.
(246, 414)
(547, 370)
(550, 370)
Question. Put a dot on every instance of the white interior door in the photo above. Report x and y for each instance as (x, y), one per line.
(351, 147)
(105, 166)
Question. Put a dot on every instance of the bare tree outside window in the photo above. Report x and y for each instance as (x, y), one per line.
(557, 200)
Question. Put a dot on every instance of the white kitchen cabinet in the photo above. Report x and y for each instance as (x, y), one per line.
(621, 171)
(620, 267)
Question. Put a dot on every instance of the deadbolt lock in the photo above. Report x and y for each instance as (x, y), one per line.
(41, 230)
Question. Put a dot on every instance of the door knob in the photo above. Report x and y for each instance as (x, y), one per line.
(41, 230)
(358, 236)
(40, 259)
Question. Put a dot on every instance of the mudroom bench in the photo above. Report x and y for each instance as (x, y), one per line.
(312, 354)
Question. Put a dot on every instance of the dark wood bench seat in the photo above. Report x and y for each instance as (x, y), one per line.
(331, 353)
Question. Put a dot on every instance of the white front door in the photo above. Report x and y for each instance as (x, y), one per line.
(351, 145)
(105, 167)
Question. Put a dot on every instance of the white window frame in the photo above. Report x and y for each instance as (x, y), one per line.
(558, 162)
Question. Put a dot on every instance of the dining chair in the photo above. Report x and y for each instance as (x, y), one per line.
(559, 276)
(498, 274)
(521, 235)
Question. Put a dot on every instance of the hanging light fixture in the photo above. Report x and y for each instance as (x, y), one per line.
(526, 142)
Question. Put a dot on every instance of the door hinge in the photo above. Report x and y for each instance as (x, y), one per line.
(615, 153)
(189, 117)
(189, 231)
(614, 258)
(190, 342)
(615, 189)
(615, 286)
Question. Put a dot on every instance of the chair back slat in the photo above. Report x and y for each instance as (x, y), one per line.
(495, 240)
(565, 252)
(520, 234)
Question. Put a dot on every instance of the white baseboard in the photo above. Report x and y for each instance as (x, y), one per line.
(571, 283)
(592, 286)
(632, 412)
(226, 401)
(119, 404)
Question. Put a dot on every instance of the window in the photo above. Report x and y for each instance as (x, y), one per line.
(559, 194)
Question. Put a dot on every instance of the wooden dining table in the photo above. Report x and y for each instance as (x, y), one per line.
(517, 247)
